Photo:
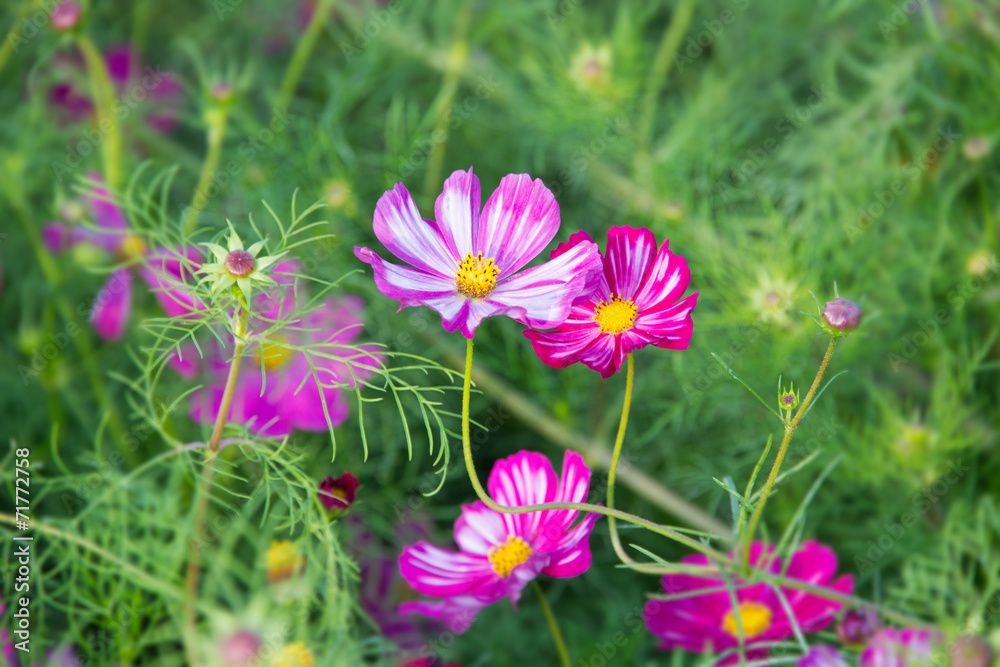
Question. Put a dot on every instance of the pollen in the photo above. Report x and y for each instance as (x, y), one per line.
(274, 352)
(754, 617)
(506, 556)
(476, 277)
(615, 316)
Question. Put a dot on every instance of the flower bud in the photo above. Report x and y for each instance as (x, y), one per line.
(240, 649)
(971, 652)
(239, 263)
(221, 92)
(337, 495)
(857, 626)
(841, 315)
(65, 16)
(975, 148)
(788, 399)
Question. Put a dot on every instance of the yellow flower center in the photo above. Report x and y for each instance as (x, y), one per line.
(505, 557)
(755, 618)
(274, 352)
(615, 316)
(131, 247)
(476, 278)
(283, 560)
(294, 655)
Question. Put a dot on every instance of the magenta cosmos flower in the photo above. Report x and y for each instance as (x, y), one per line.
(636, 302)
(909, 647)
(465, 265)
(708, 621)
(278, 390)
(157, 94)
(501, 553)
(168, 271)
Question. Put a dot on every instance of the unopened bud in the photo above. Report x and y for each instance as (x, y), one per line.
(976, 148)
(239, 263)
(842, 315)
(65, 16)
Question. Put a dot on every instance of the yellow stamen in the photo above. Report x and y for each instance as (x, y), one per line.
(294, 655)
(755, 618)
(505, 557)
(476, 277)
(615, 316)
(131, 247)
(274, 352)
(283, 560)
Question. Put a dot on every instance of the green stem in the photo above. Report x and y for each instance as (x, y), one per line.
(204, 494)
(790, 427)
(470, 467)
(216, 118)
(613, 468)
(446, 99)
(104, 99)
(675, 32)
(302, 52)
(553, 626)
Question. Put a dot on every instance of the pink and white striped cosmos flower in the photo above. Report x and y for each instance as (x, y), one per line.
(501, 553)
(637, 302)
(465, 265)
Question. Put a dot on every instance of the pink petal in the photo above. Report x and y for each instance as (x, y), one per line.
(518, 221)
(411, 287)
(435, 572)
(574, 485)
(418, 242)
(595, 279)
(606, 355)
(113, 306)
(526, 478)
(186, 361)
(121, 62)
(562, 347)
(572, 557)
(457, 212)
(541, 297)
(479, 529)
(665, 281)
(627, 259)
(106, 214)
(247, 407)
(169, 273)
(457, 613)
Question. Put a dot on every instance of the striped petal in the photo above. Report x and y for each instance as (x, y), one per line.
(416, 241)
(665, 281)
(526, 478)
(572, 558)
(574, 485)
(479, 529)
(628, 257)
(518, 221)
(457, 613)
(457, 212)
(436, 572)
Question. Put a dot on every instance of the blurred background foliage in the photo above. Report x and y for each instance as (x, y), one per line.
(781, 147)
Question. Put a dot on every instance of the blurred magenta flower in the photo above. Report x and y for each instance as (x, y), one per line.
(157, 94)
(822, 655)
(167, 271)
(277, 388)
(909, 647)
(464, 264)
(429, 662)
(635, 302)
(708, 621)
(65, 16)
(337, 495)
(857, 626)
(501, 553)
(240, 649)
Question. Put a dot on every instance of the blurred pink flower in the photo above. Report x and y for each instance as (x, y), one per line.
(501, 553)
(708, 621)
(277, 388)
(337, 495)
(464, 265)
(635, 302)
(908, 647)
(168, 271)
(822, 655)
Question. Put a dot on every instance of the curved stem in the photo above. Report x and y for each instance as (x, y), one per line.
(613, 468)
(216, 118)
(104, 99)
(470, 466)
(790, 427)
(302, 51)
(204, 495)
(553, 626)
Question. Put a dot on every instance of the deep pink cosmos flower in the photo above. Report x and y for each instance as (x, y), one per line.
(501, 553)
(464, 266)
(157, 94)
(708, 621)
(337, 495)
(909, 647)
(277, 389)
(168, 271)
(637, 302)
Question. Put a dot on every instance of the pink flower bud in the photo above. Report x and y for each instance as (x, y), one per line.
(240, 649)
(239, 263)
(842, 314)
(337, 495)
(65, 16)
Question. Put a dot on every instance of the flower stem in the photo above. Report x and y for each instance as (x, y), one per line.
(104, 99)
(790, 427)
(470, 466)
(216, 118)
(553, 626)
(302, 52)
(205, 492)
(613, 468)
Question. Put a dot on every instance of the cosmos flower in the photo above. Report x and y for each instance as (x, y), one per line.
(158, 95)
(292, 378)
(637, 302)
(465, 265)
(501, 553)
(337, 495)
(283, 560)
(168, 271)
(709, 622)
(822, 655)
(909, 647)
